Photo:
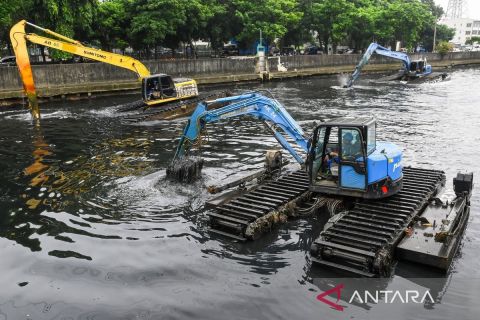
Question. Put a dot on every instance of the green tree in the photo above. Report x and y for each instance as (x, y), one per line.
(153, 20)
(198, 13)
(473, 40)
(403, 21)
(272, 17)
(111, 24)
(362, 29)
(71, 18)
(444, 33)
(436, 10)
(11, 11)
(223, 25)
(297, 35)
(331, 20)
(444, 47)
(147, 24)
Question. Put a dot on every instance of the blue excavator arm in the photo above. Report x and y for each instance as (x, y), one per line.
(250, 104)
(378, 49)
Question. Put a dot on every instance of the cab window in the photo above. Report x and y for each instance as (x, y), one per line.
(371, 138)
(318, 149)
(168, 88)
(351, 144)
(319, 143)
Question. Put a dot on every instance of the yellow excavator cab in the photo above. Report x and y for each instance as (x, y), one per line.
(162, 87)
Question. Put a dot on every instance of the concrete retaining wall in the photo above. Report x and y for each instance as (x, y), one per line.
(305, 62)
(60, 79)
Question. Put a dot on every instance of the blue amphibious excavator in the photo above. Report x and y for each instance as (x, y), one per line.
(412, 70)
(380, 210)
(344, 157)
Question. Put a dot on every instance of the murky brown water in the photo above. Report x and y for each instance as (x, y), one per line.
(89, 228)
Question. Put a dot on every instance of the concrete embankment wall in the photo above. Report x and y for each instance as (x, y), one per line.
(91, 78)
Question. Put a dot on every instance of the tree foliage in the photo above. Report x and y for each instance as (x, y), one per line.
(359, 22)
(330, 19)
(444, 47)
(10, 12)
(444, 33)
(147, 24)
(111, 24)
(472, 40)
(68, 17)
(272, 17)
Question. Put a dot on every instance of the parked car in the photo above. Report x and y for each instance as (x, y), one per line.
(230, 50)
(287, 51)
(344, 51)
(312, 50)
(8, 61)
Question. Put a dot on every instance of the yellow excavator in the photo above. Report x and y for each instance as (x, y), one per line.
(156, 89)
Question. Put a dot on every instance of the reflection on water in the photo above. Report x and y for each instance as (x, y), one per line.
(90, 228)
(108, 160)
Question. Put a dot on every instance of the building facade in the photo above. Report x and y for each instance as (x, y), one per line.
(464, 29)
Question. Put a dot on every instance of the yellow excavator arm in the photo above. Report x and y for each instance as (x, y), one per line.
(19, 37)
(75, 47)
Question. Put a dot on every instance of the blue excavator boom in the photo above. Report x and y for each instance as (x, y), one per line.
(253, 104)
(378, 49)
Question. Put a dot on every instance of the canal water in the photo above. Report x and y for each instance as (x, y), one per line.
(90, 229)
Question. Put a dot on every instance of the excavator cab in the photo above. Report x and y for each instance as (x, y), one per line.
(419, 67)
(158, 87)
(345, 159)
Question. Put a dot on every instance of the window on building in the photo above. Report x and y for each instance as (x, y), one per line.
(469, 25)
(467, 32)
(475, 32)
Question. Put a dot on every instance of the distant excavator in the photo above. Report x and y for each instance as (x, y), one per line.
(412, 69)
(156, 89)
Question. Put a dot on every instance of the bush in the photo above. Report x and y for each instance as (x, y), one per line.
(444, 47)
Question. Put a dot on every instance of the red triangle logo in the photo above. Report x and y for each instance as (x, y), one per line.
(338, 290)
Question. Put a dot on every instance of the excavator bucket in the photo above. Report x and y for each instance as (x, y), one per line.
(185, 170)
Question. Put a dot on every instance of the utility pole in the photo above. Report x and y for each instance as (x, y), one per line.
(435, 36)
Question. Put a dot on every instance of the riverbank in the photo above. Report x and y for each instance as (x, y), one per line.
(76, 81)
